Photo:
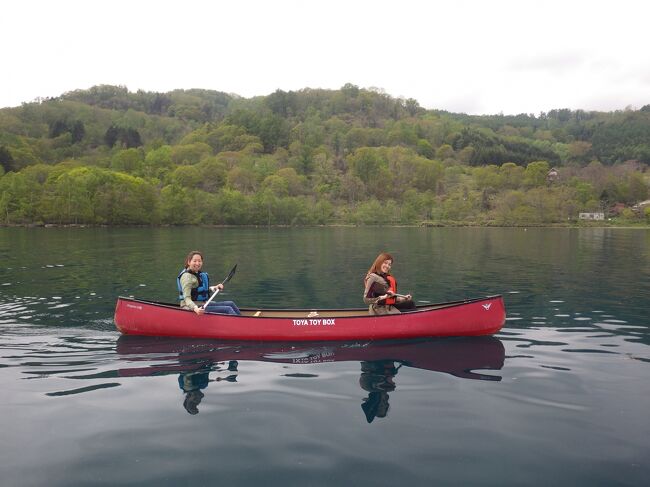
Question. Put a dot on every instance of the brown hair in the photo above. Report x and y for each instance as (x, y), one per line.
(376, 265)
(189, 257)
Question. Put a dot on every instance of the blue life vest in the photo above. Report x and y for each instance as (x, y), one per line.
(201, 293)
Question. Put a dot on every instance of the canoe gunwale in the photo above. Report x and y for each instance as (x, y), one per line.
(299, 312)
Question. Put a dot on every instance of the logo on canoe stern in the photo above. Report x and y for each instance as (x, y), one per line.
(487, 306)
(317, 322)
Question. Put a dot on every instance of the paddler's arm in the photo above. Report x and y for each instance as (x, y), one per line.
(368, 295)
(401, 298)
(187, 280)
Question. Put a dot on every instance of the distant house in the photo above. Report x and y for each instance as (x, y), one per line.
(592, 216)
(617, 208)
(552, 175)
(640, 206)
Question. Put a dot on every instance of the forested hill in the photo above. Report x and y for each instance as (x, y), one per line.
(110, 156)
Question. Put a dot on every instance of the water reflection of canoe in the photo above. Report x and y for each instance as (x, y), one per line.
(458, 356)
(471, 317)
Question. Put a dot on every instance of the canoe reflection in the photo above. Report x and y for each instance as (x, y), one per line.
(196, 359)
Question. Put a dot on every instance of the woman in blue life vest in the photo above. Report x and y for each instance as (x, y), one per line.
(380, 289)
(194, 288)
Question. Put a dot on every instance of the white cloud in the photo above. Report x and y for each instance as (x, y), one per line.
(473, 56)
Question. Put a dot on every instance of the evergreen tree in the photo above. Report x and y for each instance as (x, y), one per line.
(6, 160)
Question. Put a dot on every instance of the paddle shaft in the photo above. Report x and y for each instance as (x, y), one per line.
(400, 296)
(211, 298)
(232, 273)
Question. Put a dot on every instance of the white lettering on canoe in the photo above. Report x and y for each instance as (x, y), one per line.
(317, 322)
(325, 356)
(487, 306)
(134, 306)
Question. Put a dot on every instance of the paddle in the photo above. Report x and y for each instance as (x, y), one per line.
(393, 295)
(232, 273)
(400, 295)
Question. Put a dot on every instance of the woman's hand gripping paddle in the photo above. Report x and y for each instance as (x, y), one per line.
(232, 273)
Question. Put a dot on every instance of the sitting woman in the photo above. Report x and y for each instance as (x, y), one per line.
(194, 288)
(380, 289)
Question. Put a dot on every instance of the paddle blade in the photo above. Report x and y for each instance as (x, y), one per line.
(232, 273)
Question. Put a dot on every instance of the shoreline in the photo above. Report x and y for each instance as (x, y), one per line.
(627, 225)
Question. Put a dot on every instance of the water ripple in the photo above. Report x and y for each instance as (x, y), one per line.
(538, 401)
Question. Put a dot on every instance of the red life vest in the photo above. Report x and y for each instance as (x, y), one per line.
(392, 286)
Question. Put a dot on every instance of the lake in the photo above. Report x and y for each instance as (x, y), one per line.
(559, 397)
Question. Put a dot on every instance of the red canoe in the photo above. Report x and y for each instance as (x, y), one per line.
(471, 317)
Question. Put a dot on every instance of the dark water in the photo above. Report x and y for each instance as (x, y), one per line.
(559, 397)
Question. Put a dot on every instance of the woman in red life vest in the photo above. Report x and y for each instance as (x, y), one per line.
(380, 289)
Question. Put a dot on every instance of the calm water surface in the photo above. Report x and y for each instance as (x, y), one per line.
(559, 397)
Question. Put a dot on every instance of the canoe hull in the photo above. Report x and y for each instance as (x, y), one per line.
(474, 317)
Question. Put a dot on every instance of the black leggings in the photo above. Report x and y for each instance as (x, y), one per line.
(405, 305)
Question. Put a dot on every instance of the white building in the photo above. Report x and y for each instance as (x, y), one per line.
(592, 216)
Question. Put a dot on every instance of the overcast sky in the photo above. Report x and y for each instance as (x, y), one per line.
(477, 57)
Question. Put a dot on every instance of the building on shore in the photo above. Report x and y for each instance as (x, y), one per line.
(599, 215)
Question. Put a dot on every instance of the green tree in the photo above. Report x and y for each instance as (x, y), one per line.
(157, 162)
(242, 179)
(535, 174)
(425, 149)
(276, 186)
(488, 177)
(127, 160)
(20, 195)
(186, 176)
(295, 183)
(638, 188)
(428, 175)
(176, 206)
(190, 153)
(352, 188)
(583, 191)
(69, 199)
(445, 151)
(213, 174)
(365, 164)
(233, 207)
(125, 199)
(512, 175)
(301, 157)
